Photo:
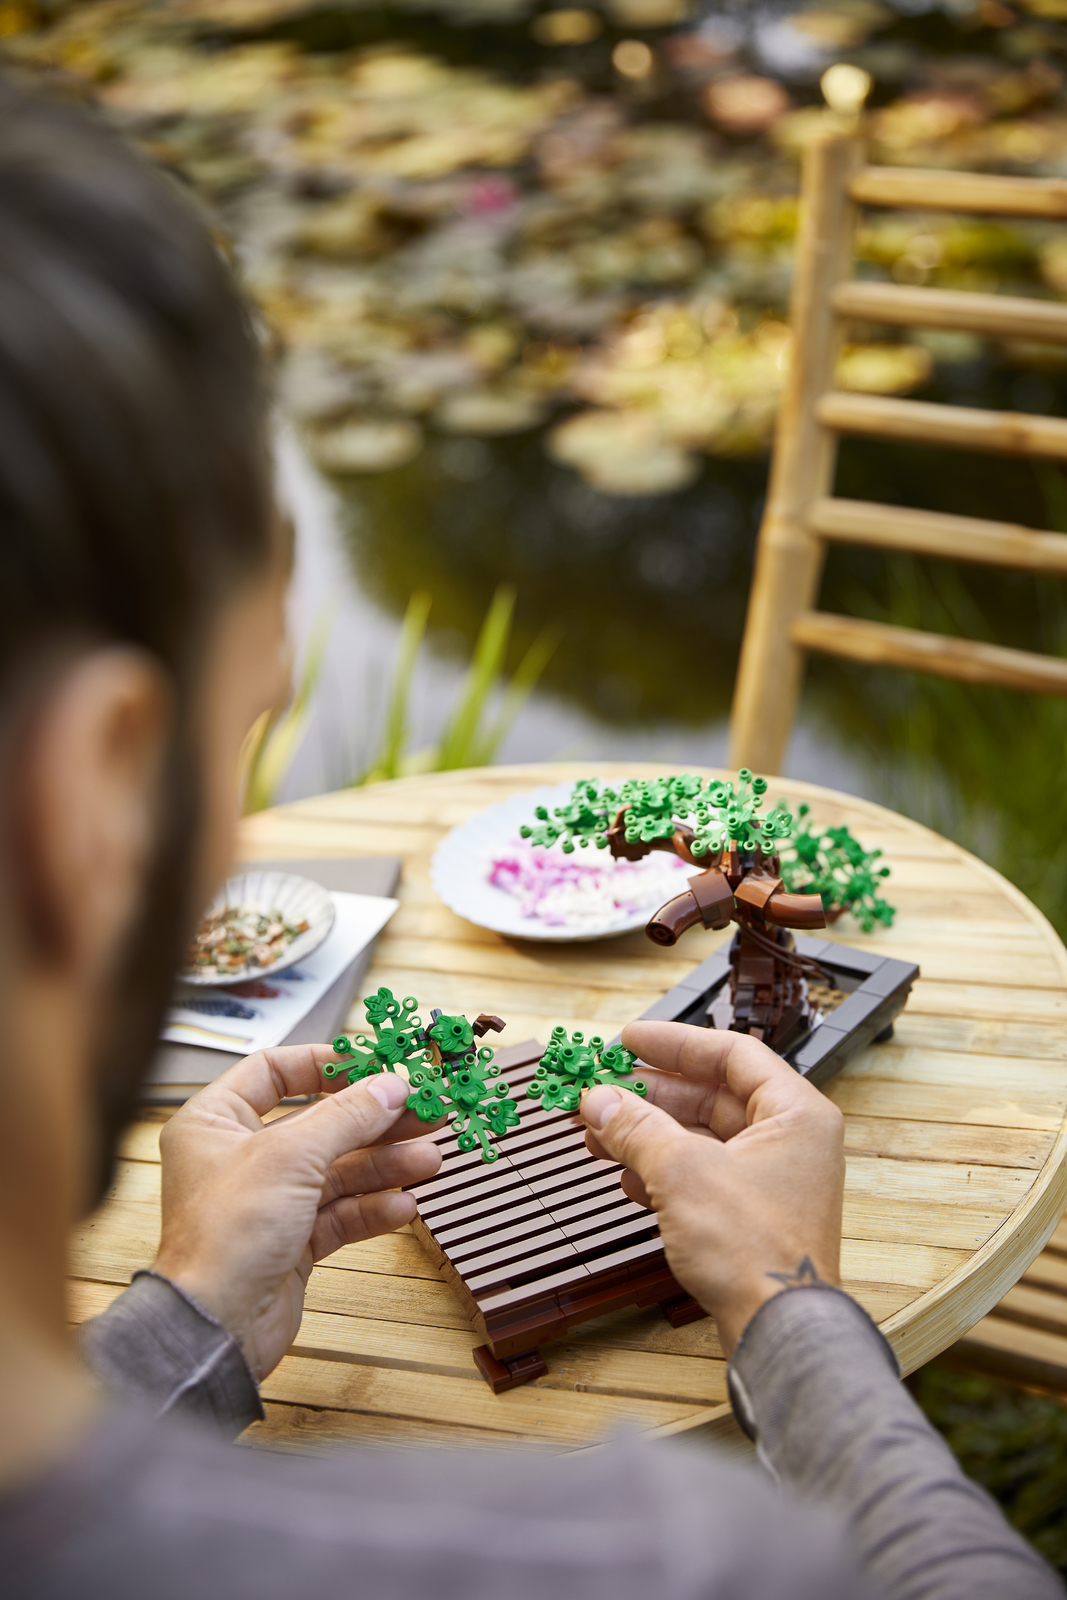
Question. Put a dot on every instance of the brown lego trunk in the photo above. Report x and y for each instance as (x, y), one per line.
(542, 1239)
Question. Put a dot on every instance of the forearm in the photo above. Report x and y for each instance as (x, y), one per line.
(816, 1384)
(156, 1344)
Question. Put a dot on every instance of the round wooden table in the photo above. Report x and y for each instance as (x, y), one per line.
(956, 1134)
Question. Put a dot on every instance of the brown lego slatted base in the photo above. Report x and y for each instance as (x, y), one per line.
(543, 1238)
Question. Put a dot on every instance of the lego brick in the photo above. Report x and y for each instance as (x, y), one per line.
(602, 1291)
(528, 1271)
(822, 1042)
(854, 1012)
(681, 1310)
(495, 1373)
(450, 1184)
(511, 1331)
(562, 1138)
(852, 960)
(587, 1237)
(606, 1235)
(492, 1301)
(535, 1129)
(542, 1174)
(604, 1213)
(435, 1206)
(480, 1218)
(582, 1197)
(556, 1188)
(858, 1039)
(598, 1303)
(756, 889)
(525, 1236)
(653, 1281)
(815, 949)
(638, 1254)
(890, 977)
(474, 1260)
(714, 896)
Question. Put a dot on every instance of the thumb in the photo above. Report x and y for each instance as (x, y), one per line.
(355, 1117)
(630, 1130)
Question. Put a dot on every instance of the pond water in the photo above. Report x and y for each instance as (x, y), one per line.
(524, 270)
(343, 541)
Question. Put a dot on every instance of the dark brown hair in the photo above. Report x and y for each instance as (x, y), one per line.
(134, 486)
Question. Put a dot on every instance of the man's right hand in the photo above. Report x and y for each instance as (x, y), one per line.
(741, 1159)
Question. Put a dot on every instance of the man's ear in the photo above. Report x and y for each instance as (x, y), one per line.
(87, 788)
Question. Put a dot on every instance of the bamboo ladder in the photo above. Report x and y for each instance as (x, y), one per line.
(803, 514)
(1025, 1337)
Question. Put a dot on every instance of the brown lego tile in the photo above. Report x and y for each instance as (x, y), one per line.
(499, 1182)
(547, 1262)
(504, 1375)
(492, 1301)
(543, 1140)
(682, 1309)
(569, 1158)
(516, 1254)
(623, 1214)
(481, 1220)
(578, 1199)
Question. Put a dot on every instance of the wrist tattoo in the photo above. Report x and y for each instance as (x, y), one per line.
(805, 1273)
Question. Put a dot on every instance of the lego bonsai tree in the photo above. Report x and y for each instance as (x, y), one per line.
(761, 872)
(450, 1077)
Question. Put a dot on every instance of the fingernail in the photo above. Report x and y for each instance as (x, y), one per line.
(600, 1105)
(389, 1090)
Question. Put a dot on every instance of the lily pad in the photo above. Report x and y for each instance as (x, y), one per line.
(371, 445)
(623, 453)
(489, 411)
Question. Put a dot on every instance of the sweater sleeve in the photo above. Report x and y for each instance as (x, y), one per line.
(155, 1343)
(816, 1385)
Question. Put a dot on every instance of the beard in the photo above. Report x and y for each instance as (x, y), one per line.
(150, 958)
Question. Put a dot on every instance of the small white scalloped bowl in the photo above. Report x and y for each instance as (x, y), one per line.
(294, 897)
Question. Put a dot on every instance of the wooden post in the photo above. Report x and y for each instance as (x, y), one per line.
(788, 556)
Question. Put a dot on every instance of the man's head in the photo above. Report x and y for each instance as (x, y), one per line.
(141, 586)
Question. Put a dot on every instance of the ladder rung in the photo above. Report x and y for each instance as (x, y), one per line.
(960, 191)
(878, 416)
(934, 533)
(997, 315)
(881, 644)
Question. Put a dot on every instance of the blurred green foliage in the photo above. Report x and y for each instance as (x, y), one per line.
(1012, 1442)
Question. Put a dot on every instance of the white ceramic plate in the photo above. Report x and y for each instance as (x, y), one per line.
(296, 898)
(460, 866)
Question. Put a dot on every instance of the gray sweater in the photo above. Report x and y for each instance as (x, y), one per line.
(859, 1497)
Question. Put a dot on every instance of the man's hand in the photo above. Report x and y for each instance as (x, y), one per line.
(249, 1207)
(742, 1161)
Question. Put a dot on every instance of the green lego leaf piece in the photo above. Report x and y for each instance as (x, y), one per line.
(452, 1034)
(586, 816)
(833, 864)
(653, 805)
(726, 816)
(398, 1040)
(573, 1063)
(463, 1083)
